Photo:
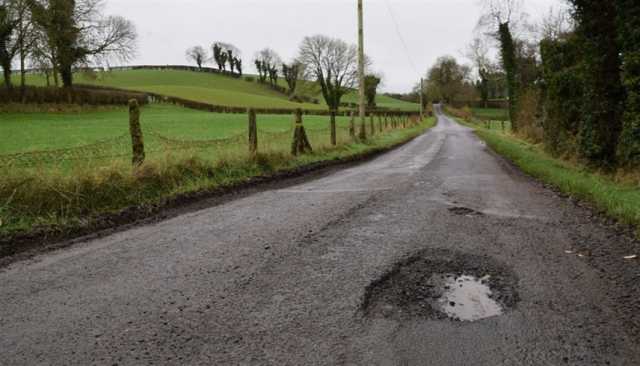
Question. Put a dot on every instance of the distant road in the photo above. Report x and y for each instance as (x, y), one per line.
(279, 277)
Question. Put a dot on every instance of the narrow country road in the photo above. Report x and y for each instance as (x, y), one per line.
(304, 275)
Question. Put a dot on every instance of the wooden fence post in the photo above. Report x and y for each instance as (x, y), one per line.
(380, 123)
(352, 125)
(253, 132)
(300, 144)
(334, 138)
(373, 124)
(137, 142)
(386, 121)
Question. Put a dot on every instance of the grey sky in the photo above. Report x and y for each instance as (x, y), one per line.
(431, 28)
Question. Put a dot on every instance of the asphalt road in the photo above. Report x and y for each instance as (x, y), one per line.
(279, 277)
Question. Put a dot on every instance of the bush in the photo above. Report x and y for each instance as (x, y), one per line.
(250, 79)
(79, 95)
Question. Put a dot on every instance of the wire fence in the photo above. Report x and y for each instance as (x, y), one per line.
(156, 143)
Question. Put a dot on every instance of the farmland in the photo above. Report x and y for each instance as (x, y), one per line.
(215, 89)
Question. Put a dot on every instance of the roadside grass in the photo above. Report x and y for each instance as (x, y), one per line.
(494, 114)
(214, 89)
(618, 200)
(60, 200)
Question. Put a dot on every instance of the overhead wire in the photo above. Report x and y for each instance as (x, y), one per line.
(399, 33)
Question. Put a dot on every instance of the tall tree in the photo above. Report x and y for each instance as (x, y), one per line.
(8, 44)
(478, 54)
(447, 80)
(603, 91)
(628, 12)
(333, 63)
(292, 73)
(371, 83)
(269, 62)
(500, 17)
(198, 55)
(80, 34)
(239, 65)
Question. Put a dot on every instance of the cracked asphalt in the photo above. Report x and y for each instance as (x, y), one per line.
(278, 277)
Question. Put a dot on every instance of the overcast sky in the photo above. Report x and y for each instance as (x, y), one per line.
(430, 28)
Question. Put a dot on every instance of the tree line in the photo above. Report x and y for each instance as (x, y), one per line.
(580, 84)
(57, 36)
(329, 63)
(571, 81)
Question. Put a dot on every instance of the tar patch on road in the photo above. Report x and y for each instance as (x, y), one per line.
(464, 211)
(439, 284)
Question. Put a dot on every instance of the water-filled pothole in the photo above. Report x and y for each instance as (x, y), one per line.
(440, 285)
(468, 298)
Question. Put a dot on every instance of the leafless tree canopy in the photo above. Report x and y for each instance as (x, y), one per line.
(333, 63)
(269, 57)
(556, 24)
(113, 37)
(496, 12)
(197, 54)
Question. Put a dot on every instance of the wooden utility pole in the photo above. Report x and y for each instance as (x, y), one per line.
(363, 127)
(421, 99)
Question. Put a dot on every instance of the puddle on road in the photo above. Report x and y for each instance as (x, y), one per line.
(468, 298)
(440, 284)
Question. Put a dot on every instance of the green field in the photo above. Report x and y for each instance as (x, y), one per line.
(212, 88)
(23, 132)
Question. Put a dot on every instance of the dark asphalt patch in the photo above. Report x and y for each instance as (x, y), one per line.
(464, 211)
(422, 287)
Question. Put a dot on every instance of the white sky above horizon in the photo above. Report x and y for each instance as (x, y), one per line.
(431, 28)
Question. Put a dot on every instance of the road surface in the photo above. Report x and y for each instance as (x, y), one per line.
(280, 277)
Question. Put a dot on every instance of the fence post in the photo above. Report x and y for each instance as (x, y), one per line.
(373, 124)
(253, 132)
(352, 125)
(404, 121)
(300, 144)
(334, 139)
(386, 120)
(137, 142)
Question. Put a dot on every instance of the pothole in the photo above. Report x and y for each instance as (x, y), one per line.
(464, 211)
(442, 285)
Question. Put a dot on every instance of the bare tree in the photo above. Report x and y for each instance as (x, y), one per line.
(223, 53)
(556, 24)
(8, 39)
(198, 55)
(333, 63)
(268, 62)
(478, 53)
(79, 34)
(292, 73)
(500, 19)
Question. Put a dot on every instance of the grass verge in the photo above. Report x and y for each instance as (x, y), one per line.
(66, 204)
(619, 201)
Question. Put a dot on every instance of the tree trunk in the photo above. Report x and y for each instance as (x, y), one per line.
(67, 76)
(253, 133)
(7, 75)
(334, 138)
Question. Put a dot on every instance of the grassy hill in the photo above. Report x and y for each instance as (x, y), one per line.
(211, 88)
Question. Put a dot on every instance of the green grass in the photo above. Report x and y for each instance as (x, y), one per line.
(619, 201)
(213, 89)
(46, 131)
(67, 200)
(491, 114)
